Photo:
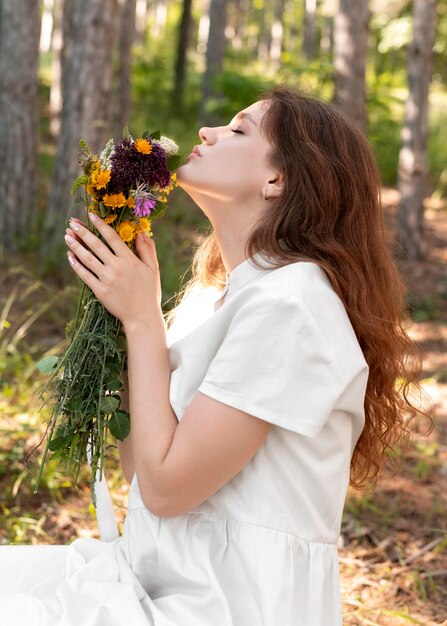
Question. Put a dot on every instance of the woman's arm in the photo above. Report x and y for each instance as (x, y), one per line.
(125, 447)
(153, 421)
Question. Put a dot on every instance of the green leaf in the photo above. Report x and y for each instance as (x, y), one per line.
(121, 342)
(119, 425)
(173, 161)
(79, 182)
(114, 385)
(146, 134)
(58, 443)
(47, 364)
(156, 134)
(127, 214)
(69, 328)
(75, 405)
(108, 404)
(126, 133)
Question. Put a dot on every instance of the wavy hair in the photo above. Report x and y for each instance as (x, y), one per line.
(330, 213)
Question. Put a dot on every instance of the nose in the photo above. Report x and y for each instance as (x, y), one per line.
(205, 134)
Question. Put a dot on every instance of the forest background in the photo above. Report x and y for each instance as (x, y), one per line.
(85, 68)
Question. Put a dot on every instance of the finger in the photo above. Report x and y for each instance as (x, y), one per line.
(84, 274)
(93, 242)
(110, 235)
(84, 255)
(146, 250)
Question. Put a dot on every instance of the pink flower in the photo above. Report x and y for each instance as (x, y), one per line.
(143, 207)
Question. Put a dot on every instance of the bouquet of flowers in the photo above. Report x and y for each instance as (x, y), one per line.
(127, 186)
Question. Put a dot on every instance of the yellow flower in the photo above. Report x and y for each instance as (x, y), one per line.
(126, 231)
(131, 202)
(143, 146)
(114, 200)
(90, 189)
(100, 178)
(110, 218)
(145, 224)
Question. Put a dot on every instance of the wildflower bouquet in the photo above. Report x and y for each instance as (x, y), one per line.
(127, 186)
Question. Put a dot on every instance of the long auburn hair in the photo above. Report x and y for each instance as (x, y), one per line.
(330, 213)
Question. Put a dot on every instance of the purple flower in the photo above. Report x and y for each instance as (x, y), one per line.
(143, 207)
(131, 168)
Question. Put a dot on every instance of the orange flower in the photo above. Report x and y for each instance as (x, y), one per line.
(114, 200)
(110, 218)
(126, 231)
(100, 178)
(145, 225)
(143, 146)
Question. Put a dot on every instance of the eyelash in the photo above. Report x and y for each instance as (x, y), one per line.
(237, 131)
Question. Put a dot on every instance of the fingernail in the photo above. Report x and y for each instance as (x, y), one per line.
(71, 258)
(92, 216)
(74, 225)
(69, 239)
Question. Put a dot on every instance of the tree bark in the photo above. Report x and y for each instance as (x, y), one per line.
(413, 158)
(215, 52)
(182, 54)
(350, 51)
(123, 86)
(310, 29)
(91, 29)
(19, 46)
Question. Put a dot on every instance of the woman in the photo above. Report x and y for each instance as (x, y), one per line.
(272, 389)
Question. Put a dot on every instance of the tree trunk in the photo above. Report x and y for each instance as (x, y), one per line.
(413, 159)
(123, 86)
(182, 53)
(350, 50)
(19, 46)
(215, 52)
(86, 87)
(310, 29)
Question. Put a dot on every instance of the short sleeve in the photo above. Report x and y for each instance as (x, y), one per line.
(275, 364)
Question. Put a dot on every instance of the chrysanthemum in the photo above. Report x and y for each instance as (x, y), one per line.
(131, 202)
(145, 225)
(110, 218)
(143, 146)
(100, 178)
(114, 200)
(126, 231)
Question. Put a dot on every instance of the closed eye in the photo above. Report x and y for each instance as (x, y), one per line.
(237, 131)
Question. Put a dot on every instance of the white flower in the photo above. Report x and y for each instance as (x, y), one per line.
(169, 146)
(106, 155)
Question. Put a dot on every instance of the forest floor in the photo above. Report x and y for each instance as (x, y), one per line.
(393, 544)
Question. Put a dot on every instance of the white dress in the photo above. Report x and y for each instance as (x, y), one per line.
(262, 550)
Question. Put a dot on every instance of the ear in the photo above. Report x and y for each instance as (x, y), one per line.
(274, 186)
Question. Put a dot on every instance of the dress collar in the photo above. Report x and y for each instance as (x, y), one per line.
(243, 273)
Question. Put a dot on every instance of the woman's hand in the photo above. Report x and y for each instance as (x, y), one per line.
(128, 286)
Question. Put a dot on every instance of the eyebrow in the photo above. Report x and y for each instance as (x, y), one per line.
(247, 116)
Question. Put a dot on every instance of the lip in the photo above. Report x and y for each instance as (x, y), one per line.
(195, 152)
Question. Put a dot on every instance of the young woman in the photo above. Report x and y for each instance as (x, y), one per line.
(272, 389)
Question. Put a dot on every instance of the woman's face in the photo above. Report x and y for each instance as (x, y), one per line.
(231, 162)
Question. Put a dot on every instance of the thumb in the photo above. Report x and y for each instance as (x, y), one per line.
(145, 246)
